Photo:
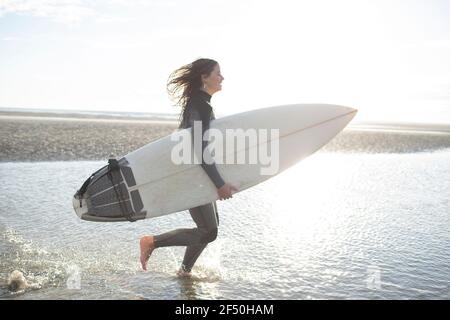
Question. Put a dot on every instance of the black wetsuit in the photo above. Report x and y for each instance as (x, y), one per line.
(206, 217)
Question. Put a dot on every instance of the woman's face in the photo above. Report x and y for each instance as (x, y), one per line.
(214, 81)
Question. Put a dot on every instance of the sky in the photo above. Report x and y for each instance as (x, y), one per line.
(389, 59)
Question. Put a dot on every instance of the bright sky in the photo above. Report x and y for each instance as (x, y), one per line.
(389, 58)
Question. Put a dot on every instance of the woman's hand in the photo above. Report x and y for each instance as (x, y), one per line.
(226, 191)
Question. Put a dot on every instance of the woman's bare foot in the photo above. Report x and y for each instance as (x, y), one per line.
(147, 246)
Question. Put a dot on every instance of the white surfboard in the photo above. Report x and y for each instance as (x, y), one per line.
(147, 183)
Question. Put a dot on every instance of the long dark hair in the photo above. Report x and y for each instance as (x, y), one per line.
(184, 81)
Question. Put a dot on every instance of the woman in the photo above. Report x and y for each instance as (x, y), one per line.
(193, 85)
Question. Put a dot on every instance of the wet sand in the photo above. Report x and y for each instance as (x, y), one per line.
(42, 137)
(49, 139)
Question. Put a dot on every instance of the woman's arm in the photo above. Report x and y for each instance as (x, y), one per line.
(202, 112)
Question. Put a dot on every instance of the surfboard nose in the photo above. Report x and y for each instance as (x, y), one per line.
(351, 110)
(343, 109)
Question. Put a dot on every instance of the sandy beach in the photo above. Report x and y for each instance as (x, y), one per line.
(46, 137)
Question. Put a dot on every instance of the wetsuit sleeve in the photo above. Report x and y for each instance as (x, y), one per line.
(202, 113)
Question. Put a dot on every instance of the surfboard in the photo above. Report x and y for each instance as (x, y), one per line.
(147, 182)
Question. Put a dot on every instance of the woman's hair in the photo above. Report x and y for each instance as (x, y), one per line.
(186, 80)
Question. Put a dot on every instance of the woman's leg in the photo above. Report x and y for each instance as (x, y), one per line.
(206, 231)
(205, 217)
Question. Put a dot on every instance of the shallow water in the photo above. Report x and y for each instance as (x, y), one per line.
(335, 226)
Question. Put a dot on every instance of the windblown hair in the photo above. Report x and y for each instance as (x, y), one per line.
(184, 81)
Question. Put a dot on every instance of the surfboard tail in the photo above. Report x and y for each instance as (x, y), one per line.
(106, 196)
